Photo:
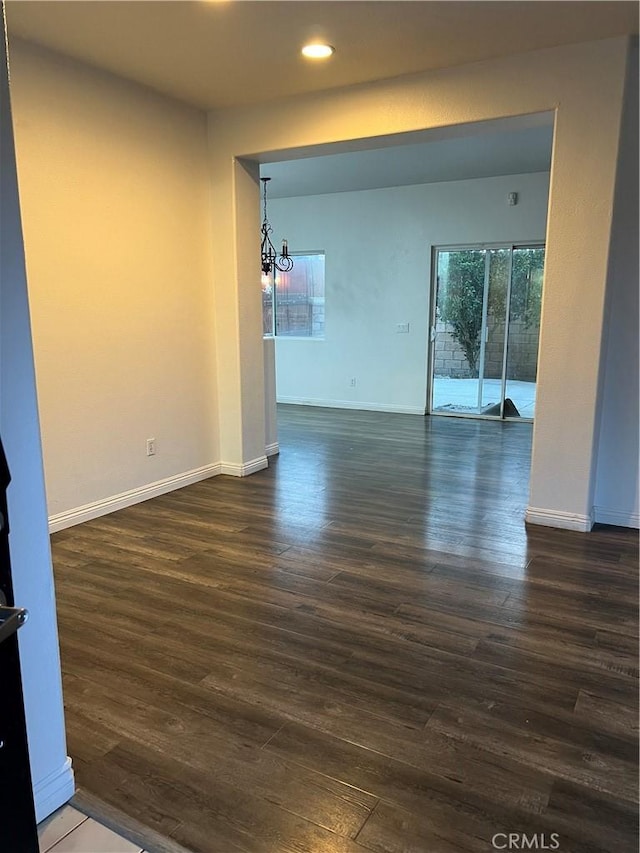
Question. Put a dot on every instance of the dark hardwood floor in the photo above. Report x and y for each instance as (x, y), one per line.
(358, 649)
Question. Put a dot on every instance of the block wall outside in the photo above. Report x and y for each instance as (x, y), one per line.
(450, 360)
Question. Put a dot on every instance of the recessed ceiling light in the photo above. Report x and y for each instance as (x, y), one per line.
(317, 51)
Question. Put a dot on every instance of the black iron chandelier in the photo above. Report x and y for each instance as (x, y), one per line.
(271, 260)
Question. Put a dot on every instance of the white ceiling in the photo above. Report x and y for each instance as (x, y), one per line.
(481, 152)
(216, 55)
(223, 54)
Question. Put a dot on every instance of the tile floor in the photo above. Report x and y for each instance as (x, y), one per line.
(69, 831)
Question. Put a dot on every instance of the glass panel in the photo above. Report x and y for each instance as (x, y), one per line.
(299, 305)
(493, 350)
(267, 305)
(524, 332)
(458, 324)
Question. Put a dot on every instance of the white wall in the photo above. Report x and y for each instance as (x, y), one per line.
(270, 413)
(29, 540)
(115, 196)
(578, 82)
(377, 246)
(616, 496)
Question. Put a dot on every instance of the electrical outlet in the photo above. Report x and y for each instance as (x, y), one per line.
(402, 328)
(353, 382)
(151, 447)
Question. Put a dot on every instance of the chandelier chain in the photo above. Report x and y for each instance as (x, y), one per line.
(270, 259)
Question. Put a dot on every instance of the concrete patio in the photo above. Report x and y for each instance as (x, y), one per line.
(461, 395)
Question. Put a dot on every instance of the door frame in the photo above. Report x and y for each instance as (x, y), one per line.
(433, 286)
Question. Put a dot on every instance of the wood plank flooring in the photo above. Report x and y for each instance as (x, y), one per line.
(358, 649)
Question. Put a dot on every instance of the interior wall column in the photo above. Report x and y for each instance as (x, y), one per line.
(236, 231)
(565, 436)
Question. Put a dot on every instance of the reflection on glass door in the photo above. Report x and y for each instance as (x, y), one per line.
(484, 336)
(524, 329)
(455, 335)
(492, 343)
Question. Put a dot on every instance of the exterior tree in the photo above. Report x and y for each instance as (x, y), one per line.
(460, 294)
(461, 290)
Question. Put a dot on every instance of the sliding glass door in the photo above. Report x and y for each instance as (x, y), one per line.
(524, 328)
(485, 329)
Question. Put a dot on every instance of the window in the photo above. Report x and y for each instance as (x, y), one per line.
(298, 308)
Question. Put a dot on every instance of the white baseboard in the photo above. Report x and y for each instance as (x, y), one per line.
(54, 791)
(556, 518)
(244, 469)
(62, 520)
(617, 517)
(354, 404)
(272, 449)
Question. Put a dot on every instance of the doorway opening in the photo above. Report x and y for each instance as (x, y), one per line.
(485, 329)
(363, 214)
